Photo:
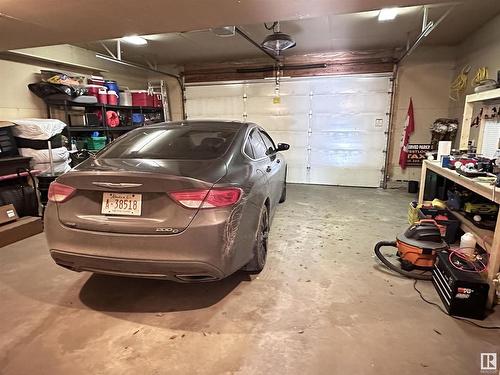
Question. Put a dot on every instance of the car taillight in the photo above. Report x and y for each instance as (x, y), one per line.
(59, 192)
(218, 197)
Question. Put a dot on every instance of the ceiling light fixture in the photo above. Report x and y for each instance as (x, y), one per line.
(277, 41)
(387, 14)
(224, 31)
(135, 39)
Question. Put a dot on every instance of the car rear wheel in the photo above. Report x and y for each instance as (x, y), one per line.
(260, 248)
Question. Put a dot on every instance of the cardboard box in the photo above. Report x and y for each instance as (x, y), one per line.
(18, 230)
(7, 214)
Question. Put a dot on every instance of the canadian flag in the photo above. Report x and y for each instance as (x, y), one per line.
(408, 129)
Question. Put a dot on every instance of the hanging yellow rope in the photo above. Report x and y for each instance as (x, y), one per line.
(459, 84)
(481, 75)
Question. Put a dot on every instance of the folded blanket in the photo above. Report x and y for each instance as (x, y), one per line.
(42, 156)
(37, 128)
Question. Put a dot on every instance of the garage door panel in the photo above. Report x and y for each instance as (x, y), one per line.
(336, 126)
(364, 177)
(223, 102)
(344, 158)
(350, 84)
(353, 122)
(281, 123)
(289, 105)
(292, 88)
(347, 140)
(295, 88)
(224, 106)
(215, 91)
(349, 103)
(294, 139)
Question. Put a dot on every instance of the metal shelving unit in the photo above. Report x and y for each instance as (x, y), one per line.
(75, 130)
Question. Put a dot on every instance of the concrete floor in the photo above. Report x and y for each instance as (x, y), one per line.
(321, 306)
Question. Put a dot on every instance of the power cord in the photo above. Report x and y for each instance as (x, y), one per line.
(444, 312)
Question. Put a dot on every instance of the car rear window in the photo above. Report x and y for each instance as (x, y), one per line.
(171, 143)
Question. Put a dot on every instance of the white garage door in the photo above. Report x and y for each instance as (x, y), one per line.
(336, 126)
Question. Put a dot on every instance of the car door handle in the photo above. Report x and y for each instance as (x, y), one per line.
(268, 169)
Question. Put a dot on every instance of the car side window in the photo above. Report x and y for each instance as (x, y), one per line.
(248, 148)
(270, 147)
(258, 145)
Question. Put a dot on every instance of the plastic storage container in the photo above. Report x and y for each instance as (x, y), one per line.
(96, 143)
(142, 98)
(450, 224)
(468, 243)
(96, 90)
(157, 100)
(113, 86)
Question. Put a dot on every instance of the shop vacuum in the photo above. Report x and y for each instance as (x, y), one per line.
(416, 249)
(456, 279)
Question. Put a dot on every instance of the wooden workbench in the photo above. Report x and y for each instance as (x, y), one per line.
(487, 239)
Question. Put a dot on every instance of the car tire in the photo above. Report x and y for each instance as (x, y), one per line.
(283, 192)
(258, 261)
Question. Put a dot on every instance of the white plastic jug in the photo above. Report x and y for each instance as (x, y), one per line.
(126, 97)
(468, 243)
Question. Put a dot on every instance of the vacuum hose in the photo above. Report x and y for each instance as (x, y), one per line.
(397, 269)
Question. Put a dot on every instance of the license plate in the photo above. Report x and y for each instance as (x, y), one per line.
(121, 204)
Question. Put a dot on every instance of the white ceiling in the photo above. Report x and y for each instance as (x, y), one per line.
(330, 33)
(32, 23)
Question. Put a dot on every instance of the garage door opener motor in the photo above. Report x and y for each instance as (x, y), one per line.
(417, 248)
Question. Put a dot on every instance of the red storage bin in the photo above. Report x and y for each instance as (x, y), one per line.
(142, 98)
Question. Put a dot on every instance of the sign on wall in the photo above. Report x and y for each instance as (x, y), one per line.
(416, 154)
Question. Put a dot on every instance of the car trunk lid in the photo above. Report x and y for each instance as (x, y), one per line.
(149, 181)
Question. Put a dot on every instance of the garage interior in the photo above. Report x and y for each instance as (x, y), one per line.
(378, 112)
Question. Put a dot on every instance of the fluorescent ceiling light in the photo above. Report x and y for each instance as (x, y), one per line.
(135, 39)
(387, 14)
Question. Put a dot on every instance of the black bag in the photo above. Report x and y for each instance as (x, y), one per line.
(22, 195)
(46, 90)
(7, 144)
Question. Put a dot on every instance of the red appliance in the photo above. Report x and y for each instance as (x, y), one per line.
(157, 100)
(142, 98)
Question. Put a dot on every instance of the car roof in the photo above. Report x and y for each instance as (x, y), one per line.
(202, 124)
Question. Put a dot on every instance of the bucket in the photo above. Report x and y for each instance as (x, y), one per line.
(103, 96)
(113, 86)
(112, 97)
(94, 90)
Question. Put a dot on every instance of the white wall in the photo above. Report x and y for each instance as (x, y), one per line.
(424, 76)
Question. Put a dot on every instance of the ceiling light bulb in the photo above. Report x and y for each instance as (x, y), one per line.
(387, 14)
(135, 39)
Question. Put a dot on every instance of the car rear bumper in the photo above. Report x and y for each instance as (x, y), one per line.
(202, 252)
(184, 271)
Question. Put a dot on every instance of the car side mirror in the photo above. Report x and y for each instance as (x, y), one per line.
(282, 147)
